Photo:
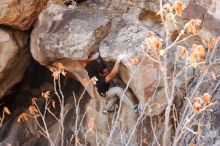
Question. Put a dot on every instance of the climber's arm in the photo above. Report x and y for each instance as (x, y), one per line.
(113, 72)
(85, 62)
(115, 69)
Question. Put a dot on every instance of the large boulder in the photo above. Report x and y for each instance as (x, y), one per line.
(68, 33)
(14, 58)
(21, 14)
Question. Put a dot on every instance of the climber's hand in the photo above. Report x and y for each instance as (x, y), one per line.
(94, 57)
(120, 57)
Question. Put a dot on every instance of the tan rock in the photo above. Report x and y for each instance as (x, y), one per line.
(208, 12)
(21, 14)
(14, 58)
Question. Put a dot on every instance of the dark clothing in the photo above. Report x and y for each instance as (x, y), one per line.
(91, 69)
(102, 86)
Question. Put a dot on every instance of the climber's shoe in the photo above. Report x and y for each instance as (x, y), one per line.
(111, 109)
(137, 108)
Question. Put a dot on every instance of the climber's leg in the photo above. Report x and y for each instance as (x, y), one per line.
(112, 104)
(118, 91)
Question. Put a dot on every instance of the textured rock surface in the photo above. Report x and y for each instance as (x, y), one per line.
(21, 14)
(208, 12)
(14, 58)
(72, 39)
(126, 37)
(67, 33)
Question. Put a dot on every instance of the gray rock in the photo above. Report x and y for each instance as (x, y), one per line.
(14, 58)
(63, 32)
(126, 37)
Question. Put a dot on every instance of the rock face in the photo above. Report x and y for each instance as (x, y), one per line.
(208, 12)
(67, 33)
(21, 14)
(69, 36)
(126, 37)
(14, 58)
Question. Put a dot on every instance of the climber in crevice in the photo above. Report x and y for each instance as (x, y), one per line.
(96, 67)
